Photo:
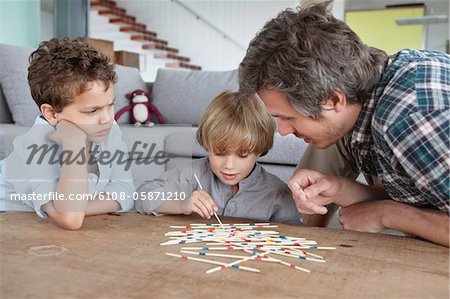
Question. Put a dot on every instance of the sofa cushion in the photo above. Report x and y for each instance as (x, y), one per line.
(14, 84)
(8, 132)
(184, 145)
(146, 142)
(5, 114)
(182, 96)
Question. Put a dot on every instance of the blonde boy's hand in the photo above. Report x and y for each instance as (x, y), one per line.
(67, 133)
(203, 204)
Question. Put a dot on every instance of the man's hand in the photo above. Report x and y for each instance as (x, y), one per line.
(203, 204)
(68, 134)
(312, 191)
(364, 216)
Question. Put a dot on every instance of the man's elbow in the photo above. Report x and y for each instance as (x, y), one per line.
(70, 220)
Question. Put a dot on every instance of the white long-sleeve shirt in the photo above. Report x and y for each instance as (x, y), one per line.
(28, 182)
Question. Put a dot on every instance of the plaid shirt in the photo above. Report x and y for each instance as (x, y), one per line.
(402, 133)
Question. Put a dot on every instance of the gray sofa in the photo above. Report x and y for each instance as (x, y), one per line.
(181, 96)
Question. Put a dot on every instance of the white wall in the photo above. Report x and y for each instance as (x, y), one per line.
(240, 20)
(437, 35)
(47, 31)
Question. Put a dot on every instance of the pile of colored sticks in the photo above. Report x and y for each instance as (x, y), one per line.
(246, 240)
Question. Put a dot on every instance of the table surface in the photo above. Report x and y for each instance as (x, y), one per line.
(120, 256)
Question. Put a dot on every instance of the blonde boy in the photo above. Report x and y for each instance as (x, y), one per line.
(58, 168)
(235, 132)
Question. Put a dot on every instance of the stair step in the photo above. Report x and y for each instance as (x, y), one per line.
(113, 11)
(183, 65)
(172, 56)
(156, 46)
(125, 20)
(102, 3)
(128, 22)
(131, 36)
(148, 37)
(137, 29)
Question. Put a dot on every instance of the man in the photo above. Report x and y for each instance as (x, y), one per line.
(362, 111)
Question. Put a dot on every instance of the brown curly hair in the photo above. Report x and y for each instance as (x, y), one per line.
(61, 69)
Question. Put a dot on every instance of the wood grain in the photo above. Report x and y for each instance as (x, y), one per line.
(120, 256)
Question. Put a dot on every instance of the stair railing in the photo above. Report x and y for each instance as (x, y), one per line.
(209, 24)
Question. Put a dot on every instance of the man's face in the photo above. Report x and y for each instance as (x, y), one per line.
(336, 121)
(92, 111)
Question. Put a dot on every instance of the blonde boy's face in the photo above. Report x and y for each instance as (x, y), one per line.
(231, 168)
(92, 111)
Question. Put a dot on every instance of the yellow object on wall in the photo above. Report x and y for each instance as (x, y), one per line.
(377, 28)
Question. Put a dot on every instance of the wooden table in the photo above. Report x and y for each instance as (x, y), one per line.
(120, 256)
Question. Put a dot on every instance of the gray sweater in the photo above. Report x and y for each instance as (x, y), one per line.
(262, 196)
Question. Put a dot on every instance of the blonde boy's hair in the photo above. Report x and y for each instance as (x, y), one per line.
(233, 124)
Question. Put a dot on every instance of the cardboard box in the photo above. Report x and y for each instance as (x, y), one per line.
(104, 46)
(127, 58)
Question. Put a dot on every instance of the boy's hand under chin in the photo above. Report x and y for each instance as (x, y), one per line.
(67, 134)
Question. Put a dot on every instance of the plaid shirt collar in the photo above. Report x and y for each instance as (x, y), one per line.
(361, 137)
(362, 131)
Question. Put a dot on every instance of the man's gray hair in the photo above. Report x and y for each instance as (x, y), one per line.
(309, 55)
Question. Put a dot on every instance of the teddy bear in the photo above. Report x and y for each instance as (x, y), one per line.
(141, 110)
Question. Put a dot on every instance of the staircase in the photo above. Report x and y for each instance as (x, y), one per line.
(107, 21)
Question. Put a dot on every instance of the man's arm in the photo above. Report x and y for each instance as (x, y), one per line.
(313, 191)
(429, 224)
(336, 159)
(363, 209)
(373, 216)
